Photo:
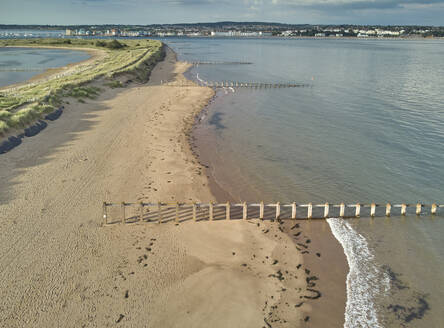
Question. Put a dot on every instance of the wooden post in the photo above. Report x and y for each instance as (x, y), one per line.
(433, 210)
(227, 211)
(141, 211)
(211, 210)
(310, 211)
(278, 210)
(105, 215)
(372, 209)
(245, 211)
(194, 212)
(123, 212)
(358, 210)
(326, 210)
(159, 208)
(388, 208)
(293, 210)
(342, 210)
(261, 210)
(403, 209)
(177, 211)
(418, 209)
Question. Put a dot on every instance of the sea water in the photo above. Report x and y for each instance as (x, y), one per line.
(369, 127)
(20, 64)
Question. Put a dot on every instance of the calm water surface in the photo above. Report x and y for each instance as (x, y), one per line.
(369, 128)
(20, 64)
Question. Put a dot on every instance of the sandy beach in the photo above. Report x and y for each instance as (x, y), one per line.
(60, 267)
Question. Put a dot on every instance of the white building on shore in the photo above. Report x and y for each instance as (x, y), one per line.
(235, 34)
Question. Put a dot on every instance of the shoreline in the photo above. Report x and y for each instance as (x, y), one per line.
(328, 255)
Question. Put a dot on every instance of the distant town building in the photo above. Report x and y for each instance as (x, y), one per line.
(247, 30)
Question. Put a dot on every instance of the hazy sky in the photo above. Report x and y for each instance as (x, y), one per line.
(421, 12)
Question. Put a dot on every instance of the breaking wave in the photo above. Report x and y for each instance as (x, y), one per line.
(366, 282)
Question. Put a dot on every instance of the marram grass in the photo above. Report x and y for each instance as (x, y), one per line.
(20, 106)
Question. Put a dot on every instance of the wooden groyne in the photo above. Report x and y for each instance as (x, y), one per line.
(163, 212)
(253, 85)
(219, 63)
(235, 84)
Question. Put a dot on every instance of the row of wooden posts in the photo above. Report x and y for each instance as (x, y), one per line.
(255, 85)
(220, 63)
(278, 206)
(235, 84)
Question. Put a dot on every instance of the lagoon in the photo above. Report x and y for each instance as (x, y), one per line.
(20, 64)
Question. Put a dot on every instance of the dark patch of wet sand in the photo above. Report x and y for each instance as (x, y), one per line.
(325, 260)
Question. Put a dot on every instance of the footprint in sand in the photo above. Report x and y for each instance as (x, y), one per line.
(121, 316)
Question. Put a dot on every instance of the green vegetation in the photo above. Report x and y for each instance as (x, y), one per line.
(115, 84)
(22, 105)
(114, 44)
(83, 92)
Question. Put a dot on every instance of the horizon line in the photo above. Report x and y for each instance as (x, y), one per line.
(218, 22)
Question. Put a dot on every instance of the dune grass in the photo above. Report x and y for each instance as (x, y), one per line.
(22, 105)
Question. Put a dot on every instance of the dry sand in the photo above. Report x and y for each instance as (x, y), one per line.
(60, 268)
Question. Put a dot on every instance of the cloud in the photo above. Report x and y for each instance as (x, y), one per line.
(352, 4)
(430, 12)
(281, 4)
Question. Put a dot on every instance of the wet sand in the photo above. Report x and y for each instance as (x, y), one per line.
(60, 267)
(325, 258)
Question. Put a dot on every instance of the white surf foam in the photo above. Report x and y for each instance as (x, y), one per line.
(199, 79)
(365, 281)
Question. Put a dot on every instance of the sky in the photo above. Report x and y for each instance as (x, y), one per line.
(145, 12)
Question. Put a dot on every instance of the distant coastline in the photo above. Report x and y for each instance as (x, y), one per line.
(228, 28)
(308, 38)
